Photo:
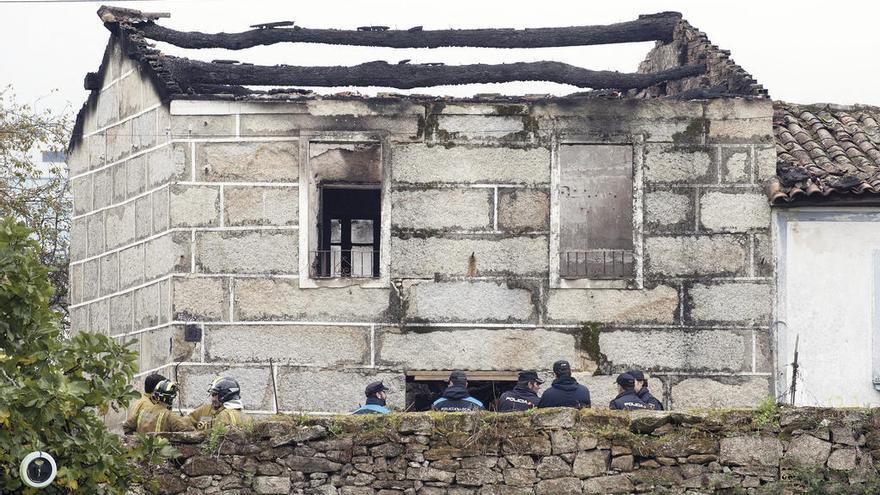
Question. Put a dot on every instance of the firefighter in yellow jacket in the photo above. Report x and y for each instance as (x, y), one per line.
(157, 416)
(225, 406)
(150, 383)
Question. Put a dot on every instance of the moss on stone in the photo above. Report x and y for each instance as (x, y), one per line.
(693, 133)
(588, 341)
(433, 132)
(509, 109)
(530, 130)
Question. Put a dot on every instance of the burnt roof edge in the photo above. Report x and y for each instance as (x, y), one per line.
(135, 48)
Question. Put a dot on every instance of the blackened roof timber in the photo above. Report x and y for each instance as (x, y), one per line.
(655, 27)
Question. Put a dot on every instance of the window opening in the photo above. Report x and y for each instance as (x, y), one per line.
(349, 233)
(595, 211)
(423, 388)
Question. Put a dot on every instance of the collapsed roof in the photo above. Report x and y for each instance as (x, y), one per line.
(823, 151)
(683, 63)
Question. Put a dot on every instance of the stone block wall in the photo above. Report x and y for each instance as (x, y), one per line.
(201, 223)
(124, 249)
(550, 452)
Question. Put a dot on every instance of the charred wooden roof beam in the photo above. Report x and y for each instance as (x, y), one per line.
(193, 72)
(655, 27)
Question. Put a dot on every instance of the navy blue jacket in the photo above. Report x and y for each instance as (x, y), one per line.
(649, 399)
(565, 392)
(628, 401)
(520, 398)
(456, 399)
(374, 405)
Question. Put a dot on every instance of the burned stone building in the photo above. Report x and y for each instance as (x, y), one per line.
(309, 244)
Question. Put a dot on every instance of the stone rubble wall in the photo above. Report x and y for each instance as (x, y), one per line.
(691, 46)
(209, 236)
(548, 452)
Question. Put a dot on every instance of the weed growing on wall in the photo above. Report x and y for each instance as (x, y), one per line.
(215, 437)
(767, 413)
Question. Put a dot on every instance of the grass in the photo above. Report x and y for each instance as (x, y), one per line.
(766, 414)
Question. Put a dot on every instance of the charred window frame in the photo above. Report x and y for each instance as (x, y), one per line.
(596, 213)
(344, 204)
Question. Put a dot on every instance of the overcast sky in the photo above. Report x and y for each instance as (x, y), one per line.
(802, 51)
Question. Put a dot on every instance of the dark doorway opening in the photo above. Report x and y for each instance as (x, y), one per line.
(423, 388)
(349, 233)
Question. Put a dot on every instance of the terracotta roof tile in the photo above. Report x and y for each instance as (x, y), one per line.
(825, 149)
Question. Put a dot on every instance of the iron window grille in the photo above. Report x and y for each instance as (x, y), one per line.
(597, 264)
(338, 263)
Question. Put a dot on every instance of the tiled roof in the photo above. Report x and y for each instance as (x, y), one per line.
(825, 150)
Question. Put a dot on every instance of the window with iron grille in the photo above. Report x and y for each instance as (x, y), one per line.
(343, 214)
(595, 195)
(349, 233)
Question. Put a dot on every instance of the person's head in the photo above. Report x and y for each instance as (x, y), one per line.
(625, 382)
(530, 380)
(151, 381)
(164, 392)
(458, 377)
(377, 390)
(561, 368)
(224, 389)
(639, 377)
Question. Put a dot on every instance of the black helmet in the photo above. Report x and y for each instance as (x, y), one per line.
(151, 381)
(165, 392)
(226, 388)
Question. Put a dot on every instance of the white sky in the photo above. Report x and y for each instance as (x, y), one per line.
(802, 51)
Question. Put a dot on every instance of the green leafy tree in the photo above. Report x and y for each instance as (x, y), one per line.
(34, 192)
(53, 389)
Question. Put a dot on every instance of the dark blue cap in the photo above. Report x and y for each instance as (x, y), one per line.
(626, 380)
(374, 388)
(529, 376)
(458, 377)
(636, 374)
(562, 367)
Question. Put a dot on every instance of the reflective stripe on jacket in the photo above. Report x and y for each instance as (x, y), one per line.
(456, 399)
(204, 417)
(371, 409)
(154, 418)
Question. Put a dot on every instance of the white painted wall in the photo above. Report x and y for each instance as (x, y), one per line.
(826, 297)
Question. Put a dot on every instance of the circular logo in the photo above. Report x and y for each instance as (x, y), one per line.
(38, 469)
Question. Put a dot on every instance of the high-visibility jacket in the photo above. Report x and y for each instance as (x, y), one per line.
(139, 404)
(205, 416)
(154, 418)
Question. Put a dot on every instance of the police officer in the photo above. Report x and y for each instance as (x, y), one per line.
(565, 391)
(456, 397)
(524, 395)
(642, 390)
(376, 397)
(150, 383)
(627, 399)
(157, 416)
(225, 406)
